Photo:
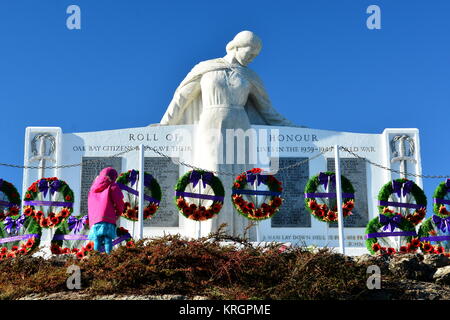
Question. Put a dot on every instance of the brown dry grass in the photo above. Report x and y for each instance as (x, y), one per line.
(173, 265)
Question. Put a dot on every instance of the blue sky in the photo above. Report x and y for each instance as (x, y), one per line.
(320, 64)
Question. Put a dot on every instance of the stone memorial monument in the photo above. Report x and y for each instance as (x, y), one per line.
(221, 119)
(219, 96)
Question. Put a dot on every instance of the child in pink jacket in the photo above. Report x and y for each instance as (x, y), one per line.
(105, 204)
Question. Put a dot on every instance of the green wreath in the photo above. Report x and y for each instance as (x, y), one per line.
(324, 209)
(59, 208)
(71, 236)
(152, 194)
(436, 228)
(24, 246)
(428, 233)
(377, 243)
(441, 199)
(80, 245)
(19, 236)
(205, 188)
(10, 202)
(249, 209)
(412, 209)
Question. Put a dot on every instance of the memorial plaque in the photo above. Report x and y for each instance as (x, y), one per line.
(90, 170)
(293, 213)
(354, 170)
(167, 174)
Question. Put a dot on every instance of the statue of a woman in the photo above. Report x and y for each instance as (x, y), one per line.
(223, 83)
(223, 94)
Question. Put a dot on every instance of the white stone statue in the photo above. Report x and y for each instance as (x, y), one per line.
(223, 94)
(222, 89)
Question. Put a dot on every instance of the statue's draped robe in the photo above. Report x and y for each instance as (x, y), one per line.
(216, 95)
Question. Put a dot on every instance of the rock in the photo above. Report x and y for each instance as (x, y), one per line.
(367, 259)
(410, 266)
(436, 260)
(76, 295)
(418, 290)
(442, 275)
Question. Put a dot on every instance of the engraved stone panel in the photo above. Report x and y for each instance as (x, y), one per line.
(354, 170)
(167, 174)
(90, 170)
(293, 213)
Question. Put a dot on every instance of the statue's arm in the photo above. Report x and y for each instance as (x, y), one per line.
(181, 99)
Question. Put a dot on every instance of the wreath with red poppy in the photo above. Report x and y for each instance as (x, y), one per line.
(152, 194)
(25, 246)
(437, 228)
(383, 227)
(11, 206)
(253, 178)
(412, 204)
(57, 211)
(319, 203)
(214, 196)
(80, 253)
(407, 197)
(71, 237)
(19, 236)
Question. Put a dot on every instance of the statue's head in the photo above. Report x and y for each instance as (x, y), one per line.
(245, 47)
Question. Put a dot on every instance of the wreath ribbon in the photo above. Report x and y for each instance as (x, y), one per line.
(18, 238)
(256, 177)
(77, 224)
(256, 192)
(442, 223)
(134, 176)
(441, 201)
(391, 234)
(390, 223)
(45, 185)
(48, 203)
(136, 193)
(198, 196)
(406, 186)
(328, 195)
(325, 179)
(400, 204)
(6, 204)
(70, 237)
(16, 224)
(196, 176)
(435, 238)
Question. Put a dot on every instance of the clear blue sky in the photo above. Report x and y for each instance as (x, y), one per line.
(321, 65)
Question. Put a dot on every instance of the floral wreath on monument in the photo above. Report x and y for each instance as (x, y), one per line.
(11, 205)
(18, 236)
(152, 194)
(405, 195)
(249, 209)
(322, 211)
(57, 211)
(197, 211)
(437, 228)
(74, 234)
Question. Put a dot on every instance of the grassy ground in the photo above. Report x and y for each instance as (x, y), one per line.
(203, 267)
